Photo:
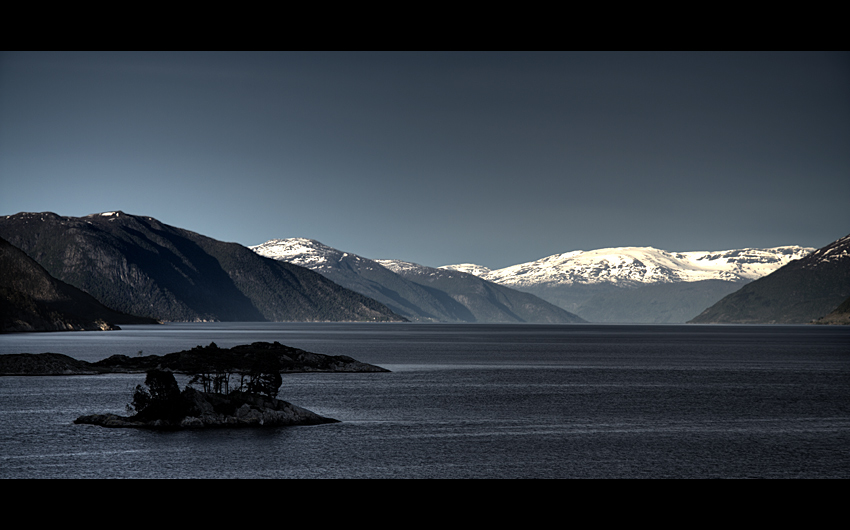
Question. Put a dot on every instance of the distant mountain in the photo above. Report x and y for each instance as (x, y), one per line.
(797, 293)
(362, 275)
(638, 284)
(422, 294)
(486, 301)
(659, 303)
(138, 265)
(32, 300)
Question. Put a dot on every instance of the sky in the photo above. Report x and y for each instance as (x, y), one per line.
(493, 158)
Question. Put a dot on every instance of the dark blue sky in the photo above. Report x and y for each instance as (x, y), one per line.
(439, 158)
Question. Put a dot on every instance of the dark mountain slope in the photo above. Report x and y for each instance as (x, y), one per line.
(797, 293)
(141, 266)
(32, 300)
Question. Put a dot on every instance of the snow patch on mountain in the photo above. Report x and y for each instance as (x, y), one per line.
(406, 267)
(834, 252)
(469, 268)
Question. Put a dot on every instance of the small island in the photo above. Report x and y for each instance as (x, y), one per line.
(160, 405)
(238, 386)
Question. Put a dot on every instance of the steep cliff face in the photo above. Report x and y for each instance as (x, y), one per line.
(32, 300)
(140, 266)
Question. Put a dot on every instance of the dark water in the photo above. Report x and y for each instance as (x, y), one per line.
(467, 401)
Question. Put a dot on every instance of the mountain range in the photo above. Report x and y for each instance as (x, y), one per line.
(638, 284)
(114, 267)
(800, 292)
(417, 292)
(139, 266)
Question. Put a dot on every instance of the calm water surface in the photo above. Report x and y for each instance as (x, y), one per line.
(466, 401)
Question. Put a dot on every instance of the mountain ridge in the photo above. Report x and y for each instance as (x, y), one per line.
(641, 265)
(455, 299)
(138, 265)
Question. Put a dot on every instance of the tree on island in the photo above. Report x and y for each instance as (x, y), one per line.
(214, 374)
(259, 372)
(159, 397)
(264, 377)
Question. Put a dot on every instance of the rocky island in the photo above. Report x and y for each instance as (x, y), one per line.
(239, 385)
(236, 359)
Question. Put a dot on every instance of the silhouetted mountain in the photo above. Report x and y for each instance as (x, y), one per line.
(32, 300)
(140, 266)
(455, 297)
(797, 293)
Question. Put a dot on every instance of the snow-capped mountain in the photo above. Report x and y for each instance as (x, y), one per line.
(633, 266)
(638, 284)
(414, 291)
(307, 253)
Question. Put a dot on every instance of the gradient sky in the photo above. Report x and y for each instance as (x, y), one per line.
(439, 158)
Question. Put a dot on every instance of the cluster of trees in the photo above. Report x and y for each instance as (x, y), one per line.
(260, 376)
(160, 396)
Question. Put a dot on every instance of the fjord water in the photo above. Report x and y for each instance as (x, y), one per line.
(466, 401)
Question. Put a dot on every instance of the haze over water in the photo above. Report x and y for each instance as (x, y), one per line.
(466, 401)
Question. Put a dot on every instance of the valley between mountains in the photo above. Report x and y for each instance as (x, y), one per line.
(120, 268)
